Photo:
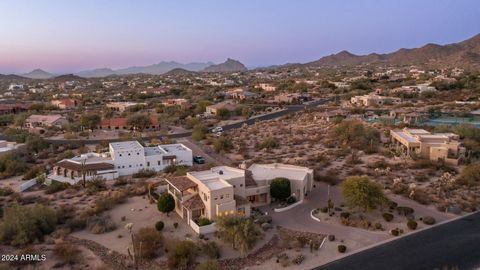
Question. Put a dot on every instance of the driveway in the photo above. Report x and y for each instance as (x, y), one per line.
(299, 219)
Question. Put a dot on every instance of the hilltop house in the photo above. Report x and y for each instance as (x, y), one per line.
(123, 158)
(228, 105)
(122, 106)
(121, 123)
(225, 190)
(433, 146)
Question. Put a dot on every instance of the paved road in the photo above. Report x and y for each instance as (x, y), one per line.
(453, 244)
(289, 109)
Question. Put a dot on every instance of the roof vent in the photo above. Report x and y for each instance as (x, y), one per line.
(220, 172)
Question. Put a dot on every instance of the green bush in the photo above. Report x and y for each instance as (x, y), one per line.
(66, 252)
(149, 241)
(166, 203)
(341, 248)
(183, 256)
(203, 221)
(33, 172)
(55, 187)
(412, 224)
(395, 232)
(298, 259)
(268, 143)
(211, 249)
(222, 144)
(100, 224)
(208, 265)
(145, 173)
(387, 217)
(26, 224)
(280, 188)
(428, 220)
(345, 215)
(159, 225)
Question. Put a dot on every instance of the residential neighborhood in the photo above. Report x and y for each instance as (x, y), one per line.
(194, 137)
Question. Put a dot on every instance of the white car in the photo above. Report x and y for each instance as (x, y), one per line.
(217, 129)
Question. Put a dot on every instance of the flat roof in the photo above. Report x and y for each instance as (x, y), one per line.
(274, 170)
(216, 177)
(405, 136)
(153, 150)
(172, 148)
(128, 145)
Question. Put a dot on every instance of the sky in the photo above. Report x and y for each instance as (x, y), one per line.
(69, 36)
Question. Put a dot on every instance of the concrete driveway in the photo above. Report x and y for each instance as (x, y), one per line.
(299, 219)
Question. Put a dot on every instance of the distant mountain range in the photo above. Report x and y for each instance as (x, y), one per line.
(230, 65)
(38, 74)
(463, 54)
(155, 69)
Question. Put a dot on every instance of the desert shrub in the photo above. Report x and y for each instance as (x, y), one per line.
(395, 232)
(280, 188)
(268, 143)
(33, 172)
(13, 164)
(301, 241)
(421, 196)
(145, 173)
(356, 135)
(6, 191)
(150, 241)
(26, 224)
(298, 259)
(341, 248)
(208, 265)
(404, 210)
(77, 223)
(378, 226)
(331, 237)
(66, 252)
(222, 144)
(55, 187)
(112, 199)
(345, 215)
(100, 224)
(175, 225)
(412, 224)
(120, 181)
(360, 192)
(203, 221)
(95, 185)
(428, 220)
(324, 209)
(387, 217)
(183, 256)
(159, 225)
(329, 178)
(470, 175)
(211, 249)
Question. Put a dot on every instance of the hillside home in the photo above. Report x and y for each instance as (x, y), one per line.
(122, 106)
(123, 158)
(444, 147)
(225, 190)
(228, 105)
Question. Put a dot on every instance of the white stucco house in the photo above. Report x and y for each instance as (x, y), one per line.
(122, 159)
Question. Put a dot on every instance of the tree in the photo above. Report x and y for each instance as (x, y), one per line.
(26, 224)
(239, 231)
(356, 135)
(166, 203)
(90, 120)
(184, 255)
(223, 114)
(138, 121)
(360, 192)
(470, 175)
(280, 188)
(36, 144)
(222, 144)
(198, 132)
(208, 265)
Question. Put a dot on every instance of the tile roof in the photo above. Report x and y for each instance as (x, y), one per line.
(194, 203)
(181, 182)
(88, 167)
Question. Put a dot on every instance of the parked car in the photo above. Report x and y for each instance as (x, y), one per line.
(217, 129)
(199, 159)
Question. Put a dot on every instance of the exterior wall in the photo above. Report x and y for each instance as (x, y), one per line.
(211, 228)
(128, 162)
(238, 186)
(220, 200)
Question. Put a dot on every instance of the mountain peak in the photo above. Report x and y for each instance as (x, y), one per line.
(38, 74)
(230, 65)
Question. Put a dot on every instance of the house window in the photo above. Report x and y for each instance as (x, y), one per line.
(215, 198)
(120, 154)
(148, 163)
(221, 197)
(138, 153)
(228, 195)
(205, 197)
(130, 166)
(129, 154)
(241, 185)
(123, 167)
(159, 163)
